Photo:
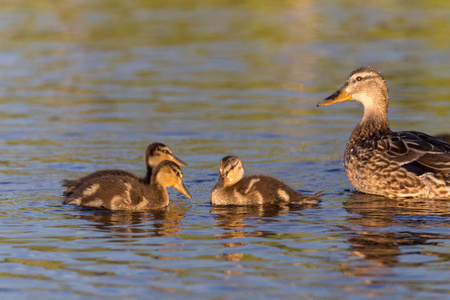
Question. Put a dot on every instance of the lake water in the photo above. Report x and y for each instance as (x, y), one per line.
(86, 85)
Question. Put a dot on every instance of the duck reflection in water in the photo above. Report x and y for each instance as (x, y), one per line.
(132, 225)
(376, 238)
(237, 220)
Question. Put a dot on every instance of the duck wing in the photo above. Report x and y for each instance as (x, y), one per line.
(415, 151)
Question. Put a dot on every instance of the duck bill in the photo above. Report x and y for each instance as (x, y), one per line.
(179, 162)
(221, 182)
(182, 189)
(340, 95)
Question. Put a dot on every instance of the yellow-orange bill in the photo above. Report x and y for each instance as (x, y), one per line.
(179, 162)
(182, 188)
(340, 95)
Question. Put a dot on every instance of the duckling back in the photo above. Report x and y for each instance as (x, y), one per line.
(71, 184)
(235, 189)
(117, 192)
(257, 190)
(154, 154)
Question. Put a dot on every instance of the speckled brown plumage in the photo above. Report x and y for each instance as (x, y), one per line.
(382, 162)
(117, 192)
(444, 136)
(154, 154)
(234, 189)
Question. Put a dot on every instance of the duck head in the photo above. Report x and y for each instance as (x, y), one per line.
(231, 171)
(367, 86)
(158, 152)
(169, 174)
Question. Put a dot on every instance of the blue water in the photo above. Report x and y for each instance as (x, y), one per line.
(87, 85)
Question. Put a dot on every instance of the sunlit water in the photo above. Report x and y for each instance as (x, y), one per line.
(86, 85)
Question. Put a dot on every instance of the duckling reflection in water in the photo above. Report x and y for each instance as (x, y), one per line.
(126, 224)
(154, 154)
(120, 192)
(235, 189)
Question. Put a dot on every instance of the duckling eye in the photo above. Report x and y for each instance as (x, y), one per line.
(359, 78)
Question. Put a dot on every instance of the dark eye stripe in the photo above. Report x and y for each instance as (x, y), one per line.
(232, 167)
(365, 77)
(161, 150)
(177, 172)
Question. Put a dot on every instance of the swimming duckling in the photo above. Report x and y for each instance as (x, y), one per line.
(154, 154)
(118, 192)
(234, 189)
(382, 162)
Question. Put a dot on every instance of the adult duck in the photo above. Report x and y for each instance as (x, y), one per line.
(380, 161)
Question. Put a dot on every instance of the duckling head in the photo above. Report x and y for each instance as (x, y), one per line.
(231, 171)
(157, 152)
(367, 86)
(169, 174)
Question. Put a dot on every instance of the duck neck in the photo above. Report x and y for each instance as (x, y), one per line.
(148, 176)
(374, 123)
(158, 195)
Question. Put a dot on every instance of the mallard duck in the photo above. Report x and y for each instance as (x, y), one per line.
(119, 192)
(235, 189)
(154, 154)
(382, 162)
(444, 136)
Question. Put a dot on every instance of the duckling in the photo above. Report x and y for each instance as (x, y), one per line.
(122, 192)
(154, 154)
(382, 162)
(235, 189)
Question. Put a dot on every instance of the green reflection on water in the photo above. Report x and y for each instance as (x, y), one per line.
(56, 265)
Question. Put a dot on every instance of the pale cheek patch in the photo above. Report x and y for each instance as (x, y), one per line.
(283, 195)
(154, 161)
(91, 190)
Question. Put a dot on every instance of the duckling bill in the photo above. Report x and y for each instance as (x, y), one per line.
(233, 188)
(382, 162)
(118, 192)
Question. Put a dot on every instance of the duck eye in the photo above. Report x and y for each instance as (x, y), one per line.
(359, 78)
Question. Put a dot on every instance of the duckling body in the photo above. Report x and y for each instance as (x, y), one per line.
(235, 189)
(154, 154)
(382, 162)
(122, 192)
